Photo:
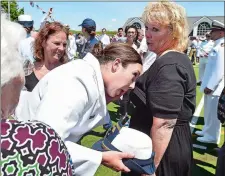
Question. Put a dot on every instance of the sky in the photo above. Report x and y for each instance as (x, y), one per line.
(109, 15)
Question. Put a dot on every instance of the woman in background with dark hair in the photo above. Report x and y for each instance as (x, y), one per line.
(88, 29)
(132, 36)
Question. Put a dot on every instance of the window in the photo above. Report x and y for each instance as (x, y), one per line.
(137, 25)
(203, 28)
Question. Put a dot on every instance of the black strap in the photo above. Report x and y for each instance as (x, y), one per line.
(140, 94)
(146, 78)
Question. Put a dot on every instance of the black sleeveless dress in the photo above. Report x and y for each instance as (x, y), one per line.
(31, 82)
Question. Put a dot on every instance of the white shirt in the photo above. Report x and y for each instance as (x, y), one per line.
(194, 44)
(121, 39)
(198, 48)
(135, 47)
(81, 41)
(26, 49)
(105, 40)
(214, 72)
(72, 47)
(148, 60)
(143, 46)
(71, 99)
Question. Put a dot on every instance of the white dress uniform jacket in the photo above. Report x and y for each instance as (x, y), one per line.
(214, 72)
(71, 99)
(204, 49)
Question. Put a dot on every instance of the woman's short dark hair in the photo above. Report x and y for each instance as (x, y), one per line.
(125, 52)
(120, 29)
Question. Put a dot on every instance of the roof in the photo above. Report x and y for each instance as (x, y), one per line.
(129, 20)
(194, 19)
(191, 20)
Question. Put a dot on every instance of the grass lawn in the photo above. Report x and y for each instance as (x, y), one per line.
(204, 160)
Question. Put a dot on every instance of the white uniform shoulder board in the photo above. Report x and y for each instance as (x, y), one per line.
(222, 44)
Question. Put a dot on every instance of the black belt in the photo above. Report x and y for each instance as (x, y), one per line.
(181, 122)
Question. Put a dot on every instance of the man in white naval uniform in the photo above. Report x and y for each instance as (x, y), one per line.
(212, 86)
(26, 46)
(204, 50)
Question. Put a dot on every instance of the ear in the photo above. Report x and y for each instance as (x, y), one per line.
(84, 29)
(221, 33)
(116, 65)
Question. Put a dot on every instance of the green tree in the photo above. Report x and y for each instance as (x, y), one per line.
(15, 11)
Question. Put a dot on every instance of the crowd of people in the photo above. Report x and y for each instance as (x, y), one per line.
(56, 87)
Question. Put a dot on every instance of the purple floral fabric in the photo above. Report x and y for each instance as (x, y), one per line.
(38, 143)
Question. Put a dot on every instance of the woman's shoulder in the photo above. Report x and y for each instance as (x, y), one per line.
(175, 63)
(174, 58)
(174, 55)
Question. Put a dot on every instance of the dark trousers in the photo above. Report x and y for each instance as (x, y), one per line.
(192, 55)
(220, 167)
(124, 103)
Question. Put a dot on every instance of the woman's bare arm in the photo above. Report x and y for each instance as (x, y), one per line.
(161, 133)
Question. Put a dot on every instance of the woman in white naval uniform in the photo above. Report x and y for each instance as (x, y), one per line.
(212, 86)
(72, 100)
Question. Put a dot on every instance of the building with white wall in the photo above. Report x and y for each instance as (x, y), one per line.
(198, 26)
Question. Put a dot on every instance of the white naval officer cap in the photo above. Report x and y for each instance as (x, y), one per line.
(217, 25)
(119, 138)
(25, 20)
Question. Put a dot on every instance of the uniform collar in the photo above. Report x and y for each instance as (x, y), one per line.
(218, 41)
(96, 66)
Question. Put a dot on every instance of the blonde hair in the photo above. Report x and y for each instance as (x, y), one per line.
(169, 14)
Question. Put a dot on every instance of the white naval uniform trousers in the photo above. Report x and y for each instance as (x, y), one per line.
(214, 80)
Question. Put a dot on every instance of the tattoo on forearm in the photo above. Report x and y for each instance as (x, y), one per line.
(169, 124)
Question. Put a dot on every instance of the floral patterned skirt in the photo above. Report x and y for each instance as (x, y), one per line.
(33, 148)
